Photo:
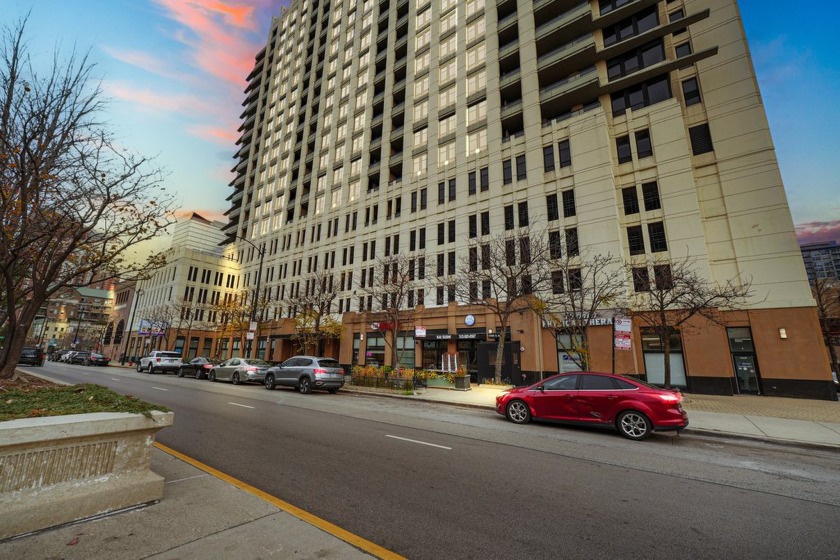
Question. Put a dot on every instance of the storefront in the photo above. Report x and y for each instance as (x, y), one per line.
(467, 346)
(434, 349)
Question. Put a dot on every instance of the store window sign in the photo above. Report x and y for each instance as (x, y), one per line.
(419, 332)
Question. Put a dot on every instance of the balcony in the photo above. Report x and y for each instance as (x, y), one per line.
(570, 23)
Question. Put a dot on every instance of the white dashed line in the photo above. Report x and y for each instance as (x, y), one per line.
(159, 388)
(242, 405)
(420, 442)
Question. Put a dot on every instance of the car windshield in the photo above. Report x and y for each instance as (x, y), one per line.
(170, 355)
(642, 383)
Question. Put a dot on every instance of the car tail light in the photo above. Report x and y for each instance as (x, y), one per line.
(252, 369)
(157, 359)
(670, 398)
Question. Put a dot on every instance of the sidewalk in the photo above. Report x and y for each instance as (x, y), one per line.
(204, 515)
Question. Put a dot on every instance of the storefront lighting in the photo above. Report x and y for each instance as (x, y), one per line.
(782, 333)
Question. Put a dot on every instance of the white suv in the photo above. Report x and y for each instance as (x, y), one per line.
(160, 360)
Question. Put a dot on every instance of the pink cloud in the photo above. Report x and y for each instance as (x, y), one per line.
(818, 232)
(226, 136)
(219, 35)
(144, 61)
(181, 103)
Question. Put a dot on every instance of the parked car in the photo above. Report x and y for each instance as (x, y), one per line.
(630, 406)
(79, 358)
(31, 356)
(95, 359)
(306, 373)
(239, 370)
(199, 367)
(67, 356)
(160, 360)
(57, 355)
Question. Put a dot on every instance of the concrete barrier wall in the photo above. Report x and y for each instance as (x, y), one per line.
(59, 469)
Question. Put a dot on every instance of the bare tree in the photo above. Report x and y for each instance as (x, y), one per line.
(827, 296)
(72, 202)
(502, 273)
(678, 293)
(312, 311)
(232, 317)
(394, 278)
(185, 315)
(584, 288)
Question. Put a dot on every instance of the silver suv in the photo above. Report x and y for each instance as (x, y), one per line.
(160, 360)
(306, 373)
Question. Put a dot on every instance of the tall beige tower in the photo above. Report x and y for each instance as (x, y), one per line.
(629, 127)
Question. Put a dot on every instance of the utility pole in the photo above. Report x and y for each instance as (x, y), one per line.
(127, 330)
(255, 297)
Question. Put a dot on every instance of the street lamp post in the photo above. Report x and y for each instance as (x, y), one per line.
(261, 253)
(127, 330)
(76, 339)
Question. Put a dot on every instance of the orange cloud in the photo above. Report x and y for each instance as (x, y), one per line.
(818, 232)
(226, 136)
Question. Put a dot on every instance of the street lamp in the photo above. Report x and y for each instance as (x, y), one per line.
(76, 339)
(261, 253)
(127, 330)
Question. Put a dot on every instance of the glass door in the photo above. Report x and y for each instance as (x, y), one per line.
(746, 373)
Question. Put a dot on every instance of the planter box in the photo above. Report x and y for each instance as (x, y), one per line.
(58, 469)
(462, 383)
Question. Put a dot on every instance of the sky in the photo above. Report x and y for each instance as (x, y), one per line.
(175, 72)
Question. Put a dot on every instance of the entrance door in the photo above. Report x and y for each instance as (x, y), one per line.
(746, 373)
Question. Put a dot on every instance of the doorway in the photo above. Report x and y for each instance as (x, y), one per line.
(747, 376)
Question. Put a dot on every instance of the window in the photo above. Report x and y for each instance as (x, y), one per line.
(440, 265)
(414, 201)
(683, 50)
(635, 240)
(569, 209)
(450, 263)
(473, 226)
(643, 146)
(575, 279)
(662, 276)
(451, 236)
(701, 139)
(572, 247)
(424, 199)
(510, 252)
(565, 153)
(596, 383)
(631, 200)
(650, 193)
(485, 223)
(552, 209)
(548, 158)
(555, 246)
(507, 172)
(471, 183)
(635, 60)
(441, 192)
(422, 242)
(691, 92)
(484, 178)
(412, 241)
(656, 233)
(441, 234)
(557, 285)
(523, 214)
(521, 172)
(622, 146)
(509, 218)
(451, 190)
(636, 24)
(642, 95)
(641, 279)
(439, 295)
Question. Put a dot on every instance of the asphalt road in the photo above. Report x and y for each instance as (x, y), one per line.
(435, 481)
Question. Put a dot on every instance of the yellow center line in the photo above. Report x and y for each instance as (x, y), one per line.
(348, 537)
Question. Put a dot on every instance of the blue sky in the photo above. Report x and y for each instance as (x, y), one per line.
(175, 70)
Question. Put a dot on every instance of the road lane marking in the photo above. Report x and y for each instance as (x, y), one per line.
(159, 388)
(242, 405)
(114, 379)
(336, 531)
(84, 373)
(420, 442)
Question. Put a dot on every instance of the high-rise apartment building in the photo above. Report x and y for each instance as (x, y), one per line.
(634, 128)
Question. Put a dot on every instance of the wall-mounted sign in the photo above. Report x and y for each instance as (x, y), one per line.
(469, 320)
(419, 331)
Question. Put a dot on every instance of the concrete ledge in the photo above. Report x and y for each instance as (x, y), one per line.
(59, 469)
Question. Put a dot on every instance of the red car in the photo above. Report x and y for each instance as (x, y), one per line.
(632, 407)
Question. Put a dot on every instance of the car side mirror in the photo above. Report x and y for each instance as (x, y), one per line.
(541, 388)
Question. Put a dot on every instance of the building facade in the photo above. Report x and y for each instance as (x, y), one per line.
(182, 305)
(631, 128)
(822, 260)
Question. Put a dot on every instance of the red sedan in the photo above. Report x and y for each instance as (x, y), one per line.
(632, 407)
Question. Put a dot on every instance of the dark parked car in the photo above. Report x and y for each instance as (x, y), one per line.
(632, 407)
(31, 356)
(306, 373)
(199, 367)
(79, 358)
(95, 359)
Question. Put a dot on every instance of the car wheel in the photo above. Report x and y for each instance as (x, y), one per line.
(198, 374)
(212, 376)
(235, 378)
(518, 412)
(304, 386)
(633, 425)
(180, 372)
(150, 370)
(269, 382)
(139, 368)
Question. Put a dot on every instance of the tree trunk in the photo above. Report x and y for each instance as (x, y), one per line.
(500, 353)
(17, 327)
(666, 345)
